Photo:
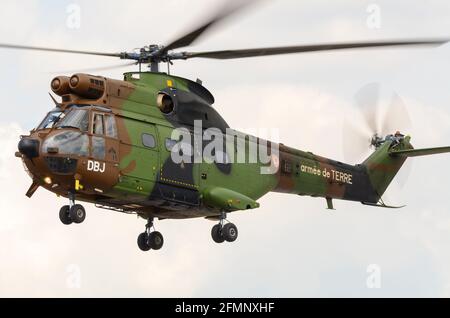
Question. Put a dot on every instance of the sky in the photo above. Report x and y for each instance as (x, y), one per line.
(290, 247)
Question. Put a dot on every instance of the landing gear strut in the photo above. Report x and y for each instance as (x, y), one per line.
(150, 240)
(73, 213)
(224, 232)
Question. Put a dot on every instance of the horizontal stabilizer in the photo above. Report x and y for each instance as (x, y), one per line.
(420, 152)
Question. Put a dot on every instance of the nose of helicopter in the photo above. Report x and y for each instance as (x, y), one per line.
(29, 147)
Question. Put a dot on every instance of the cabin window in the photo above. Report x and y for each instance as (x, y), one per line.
(183, 148)
(110, 126)
(148, 141)
(170, 143)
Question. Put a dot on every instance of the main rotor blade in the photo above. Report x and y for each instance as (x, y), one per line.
(45, 49)
(95, 69)
(237, 54)
(189, 38)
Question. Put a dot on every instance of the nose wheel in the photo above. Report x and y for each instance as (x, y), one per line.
(73, 213)
(224, 232)
(64, 215)
(150, 240)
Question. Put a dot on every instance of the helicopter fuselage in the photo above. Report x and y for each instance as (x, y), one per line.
(111, 143)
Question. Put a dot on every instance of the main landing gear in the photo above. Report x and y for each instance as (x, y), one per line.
(150, 240)
(73, 213)
(224, 232)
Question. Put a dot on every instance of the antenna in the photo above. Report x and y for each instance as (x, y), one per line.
(54, 100)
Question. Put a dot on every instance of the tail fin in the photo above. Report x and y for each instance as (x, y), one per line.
(383, 165)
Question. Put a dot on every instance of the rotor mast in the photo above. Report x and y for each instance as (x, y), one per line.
(152, 55)
(154, 67)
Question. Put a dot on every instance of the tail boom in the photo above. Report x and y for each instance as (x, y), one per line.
(306, 174)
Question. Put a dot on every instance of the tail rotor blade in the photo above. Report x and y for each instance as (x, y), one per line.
(367, 100)
(355, 143)
(396, 117)
(356, 140)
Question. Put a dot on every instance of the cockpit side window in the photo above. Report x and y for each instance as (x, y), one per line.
(110, 126)
(50, 120)
(98, 148)
(97, 124)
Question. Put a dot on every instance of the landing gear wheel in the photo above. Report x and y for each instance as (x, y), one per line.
(64, 215)
(156, 240)
(77, 213)
(230, 232)
(150, 240)
(216, 234)
(142, 242)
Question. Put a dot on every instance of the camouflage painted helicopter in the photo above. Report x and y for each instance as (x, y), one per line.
(110, 142)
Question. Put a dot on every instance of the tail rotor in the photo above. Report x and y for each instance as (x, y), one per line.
(382, 118)
(377, 123)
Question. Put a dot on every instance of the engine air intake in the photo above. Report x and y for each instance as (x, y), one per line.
(87, 86)
(60, 85)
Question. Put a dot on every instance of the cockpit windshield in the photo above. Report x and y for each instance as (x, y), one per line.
(76, 118)
(51, 119)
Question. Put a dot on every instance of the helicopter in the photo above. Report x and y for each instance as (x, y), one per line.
(138, 145)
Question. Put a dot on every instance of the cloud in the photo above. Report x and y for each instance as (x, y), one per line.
(291, 246)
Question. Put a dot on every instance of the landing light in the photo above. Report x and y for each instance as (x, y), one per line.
(48, 180)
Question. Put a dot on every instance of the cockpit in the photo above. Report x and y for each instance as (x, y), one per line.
(75, 147)
(80, 131)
